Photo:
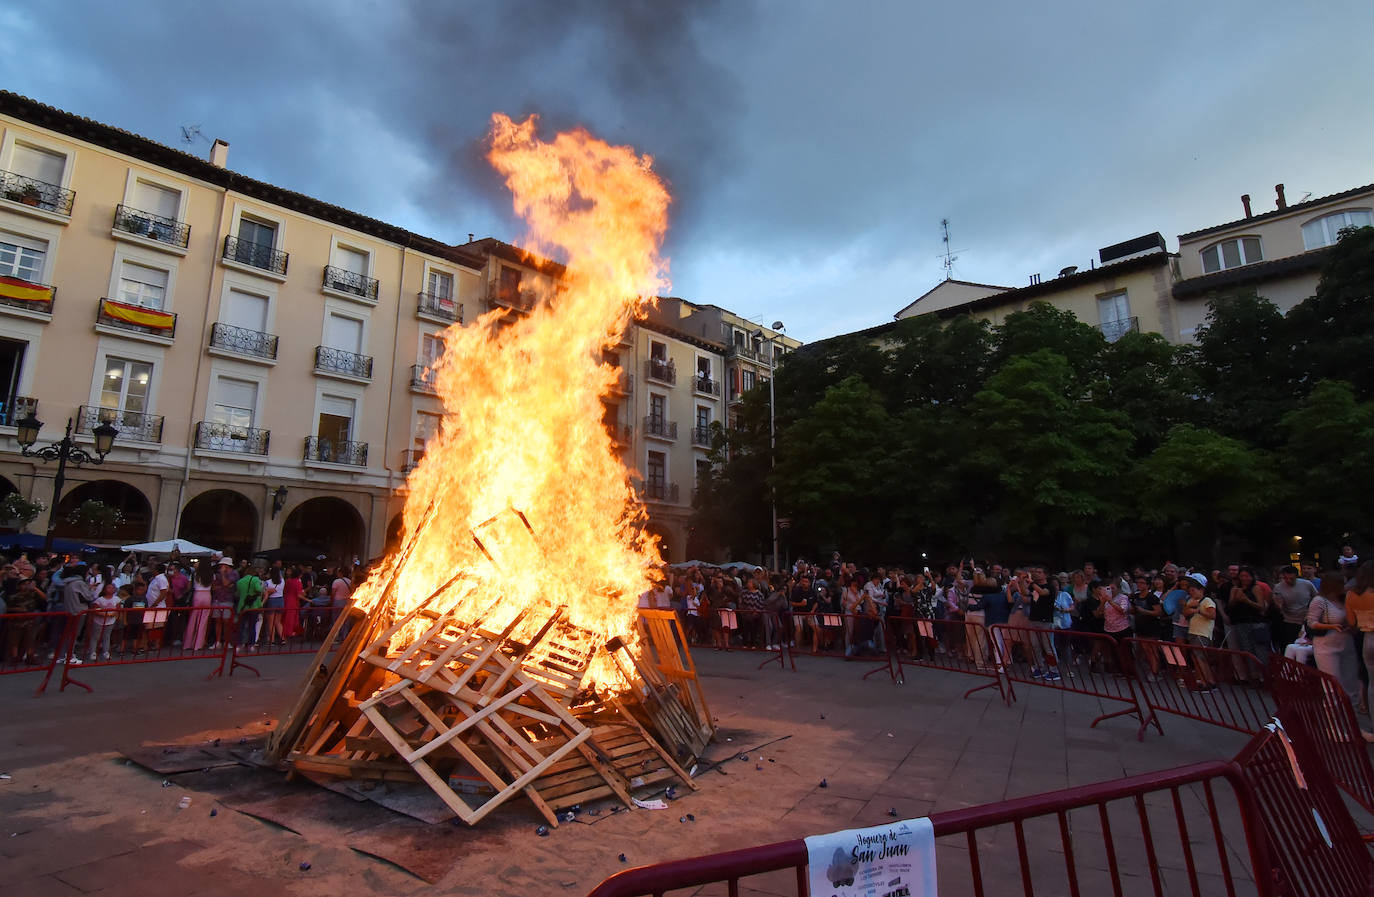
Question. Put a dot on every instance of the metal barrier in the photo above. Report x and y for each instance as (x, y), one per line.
(1085, 663)
(954, 645)
(1315, 709)
(1211, 685)
(97, 638)
(33, 643)
(264, 632)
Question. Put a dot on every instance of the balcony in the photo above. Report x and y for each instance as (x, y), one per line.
(16, 409)
(1115, 330)
(342, 363)
(214, 437)
(112, 316)
(28, 299)
(706, 386)
(516, 300)
(660, 428)
(441, 309)
(659, 491)
(242, 341)
(350, 284)
(661, 370)
(411, 458)
(622, 435)
(255, 255)
(133, 426)
(36, 194)
(735, 350)
(624, 383)
(336, 451)
(422, 379)
(138, 223)
(701, 436)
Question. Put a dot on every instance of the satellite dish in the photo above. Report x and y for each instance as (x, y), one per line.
(778, 325)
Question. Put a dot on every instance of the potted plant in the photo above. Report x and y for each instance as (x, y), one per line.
(30, 195)
(96, 518)
(17, 510)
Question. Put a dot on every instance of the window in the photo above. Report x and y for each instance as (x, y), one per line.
(658, 408)
(39, 164)
(336, 422)
(658, 351)
(1231, 254)
(739, 338)
(426, 428)
(439, 284)
(703, 417)
(1325, 230)
(22, 257)
(11, 366)
(345, 333)
(703, 368)
(142, 285)
(246, 310)
(156, 199)
(749, 377)
(508, 289)
(352, 260)
(431, 347)
(125, 385)
(258, 233)
(1114, 315)
(235, 402)
(657, 472)
(703, 472)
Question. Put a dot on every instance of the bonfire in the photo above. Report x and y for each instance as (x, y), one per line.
(498, 651)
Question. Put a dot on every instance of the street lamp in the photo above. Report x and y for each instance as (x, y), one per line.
(62, 451)
(778, 327)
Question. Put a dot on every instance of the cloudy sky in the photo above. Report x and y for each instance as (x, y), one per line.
(812, 147)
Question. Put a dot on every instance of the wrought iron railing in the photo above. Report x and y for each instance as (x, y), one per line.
(154, 227)
(658, 491)
(133, 426)
(520, 300)
(422, 379)
(343, 280)
(225, 438)
(335, 451)
(341, 361)
(243, 341)
(255, 255)
(16, 408)
(39, 194)
(443, 307)
(621, 434)
(411, 458)
(701, 436)
(735, 350)
(660, 426)
(1115, 330)
(102, 316)
(39, 305)
(661, 370)
(706, 386)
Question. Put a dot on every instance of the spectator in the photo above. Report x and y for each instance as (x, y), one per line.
(223, 595)
(76, 600)
(249, 601)
(1147, 609)
(273, 602)
(159, 597)
(1247, 609)
(201, 601)
(1200, 611)
(292, 592)
(1333, 642)
(21, 636)
(103, 620)
(1359, 605)
(134, 640)
(1293, 596)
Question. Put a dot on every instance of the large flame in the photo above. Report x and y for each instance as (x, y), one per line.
(523, 427)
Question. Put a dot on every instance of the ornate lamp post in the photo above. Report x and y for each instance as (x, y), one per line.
(62, 451)
(778, 327)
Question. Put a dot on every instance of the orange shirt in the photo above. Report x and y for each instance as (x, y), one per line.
(1360, 605)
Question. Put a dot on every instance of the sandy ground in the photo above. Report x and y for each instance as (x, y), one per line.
(77, 818)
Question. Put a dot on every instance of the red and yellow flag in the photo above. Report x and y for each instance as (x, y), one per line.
(14, 288)
(137, 314)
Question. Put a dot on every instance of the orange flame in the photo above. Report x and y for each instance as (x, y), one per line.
(523, 427)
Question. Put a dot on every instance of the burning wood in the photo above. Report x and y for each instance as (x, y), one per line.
(511, 663)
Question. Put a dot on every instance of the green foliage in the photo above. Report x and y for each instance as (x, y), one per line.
(1201, 474)
(1149, 382)
(1327, 457)
(1334, 329)
(95, 518)
(1246, 367)
(19, 510)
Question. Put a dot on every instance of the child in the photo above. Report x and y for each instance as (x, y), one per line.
(106, 613)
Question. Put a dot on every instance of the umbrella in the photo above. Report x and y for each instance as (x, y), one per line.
(688, 565)
(33, 541)
(293, 553)
(740, 565)
(187, 548)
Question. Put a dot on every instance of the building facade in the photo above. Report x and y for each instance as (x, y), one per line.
(266, 356)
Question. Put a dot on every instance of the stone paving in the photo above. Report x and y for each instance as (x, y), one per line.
(75, 818)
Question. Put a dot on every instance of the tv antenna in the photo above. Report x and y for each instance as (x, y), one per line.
(191, 133)
(948, 255)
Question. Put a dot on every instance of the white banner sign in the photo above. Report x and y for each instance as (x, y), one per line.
(896, 860)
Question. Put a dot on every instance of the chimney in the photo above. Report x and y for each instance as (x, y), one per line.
(1245, 201)
(469, 238)
(1281, 203)
(219, 153)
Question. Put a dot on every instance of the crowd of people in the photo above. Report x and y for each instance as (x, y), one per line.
(1324, 617)
(157, 605)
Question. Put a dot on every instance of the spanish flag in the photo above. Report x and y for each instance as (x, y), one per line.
(14, 288)
(137, 314)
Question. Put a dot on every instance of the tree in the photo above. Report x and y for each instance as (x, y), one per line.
(1200, 476)
(940, 363)
(1057, 456)
(1148, 380)
(1246, 367)
(1333, 330)
(834, 475)
(733, 504)
(1042, 326)
(1327, 457)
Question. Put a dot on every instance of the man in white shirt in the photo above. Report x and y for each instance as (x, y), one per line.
(157, 586)
(874, 589)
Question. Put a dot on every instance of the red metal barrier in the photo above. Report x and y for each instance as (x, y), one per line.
(1314, 708)
(1211, 685)
(99, 638)
(1157, 833)
(33, 643)
(954, 645)
(1085, 663)
(262, 632)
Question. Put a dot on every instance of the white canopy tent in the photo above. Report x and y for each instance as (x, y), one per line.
(187, 548)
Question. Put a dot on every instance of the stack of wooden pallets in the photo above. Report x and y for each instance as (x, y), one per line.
(481, 716)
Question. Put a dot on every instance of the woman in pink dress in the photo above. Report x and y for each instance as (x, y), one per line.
(200, 607)
(291, 619)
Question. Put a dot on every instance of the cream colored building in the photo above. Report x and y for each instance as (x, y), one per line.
(265, 355)
(1279, 253)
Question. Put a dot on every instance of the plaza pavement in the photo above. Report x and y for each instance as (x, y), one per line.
(77, 818)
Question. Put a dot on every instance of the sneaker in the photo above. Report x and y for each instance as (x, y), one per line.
(75, 660)
(104, 657)
(90, 658)
(1036, 673)
(1051, 676)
